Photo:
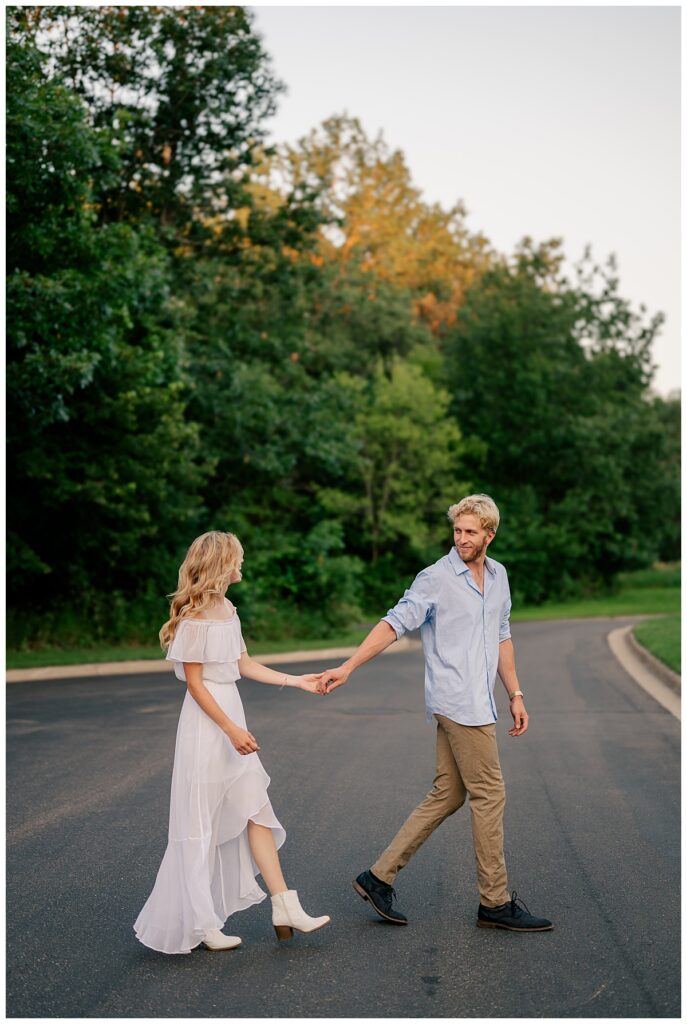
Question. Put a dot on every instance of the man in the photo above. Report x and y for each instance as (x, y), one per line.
(462, 606)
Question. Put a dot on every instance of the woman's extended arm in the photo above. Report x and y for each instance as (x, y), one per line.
(241, 739)
(252, 669)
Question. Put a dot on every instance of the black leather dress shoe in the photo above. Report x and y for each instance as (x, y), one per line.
(512, 917)
(380, 895)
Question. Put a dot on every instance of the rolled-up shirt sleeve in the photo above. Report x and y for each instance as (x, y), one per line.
(504, 625)
(414, 608)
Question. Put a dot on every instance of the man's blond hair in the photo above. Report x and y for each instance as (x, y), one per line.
(480, 505)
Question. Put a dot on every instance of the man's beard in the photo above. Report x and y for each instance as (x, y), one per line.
(472, 554)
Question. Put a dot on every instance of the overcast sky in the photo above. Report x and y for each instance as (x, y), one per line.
(545, 121)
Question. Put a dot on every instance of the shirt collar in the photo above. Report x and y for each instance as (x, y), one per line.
(460, 567)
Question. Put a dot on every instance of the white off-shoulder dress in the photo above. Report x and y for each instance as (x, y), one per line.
(207, 872)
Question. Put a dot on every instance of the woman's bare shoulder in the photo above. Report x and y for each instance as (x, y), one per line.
(216, 613)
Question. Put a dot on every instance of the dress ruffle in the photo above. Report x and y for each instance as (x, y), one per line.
(202, 640)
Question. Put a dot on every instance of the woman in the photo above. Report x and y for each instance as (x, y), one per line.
(222, 829)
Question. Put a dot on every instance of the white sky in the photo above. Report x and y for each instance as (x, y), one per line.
(546, 121)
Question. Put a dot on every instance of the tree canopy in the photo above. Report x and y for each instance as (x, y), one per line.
(288, 342)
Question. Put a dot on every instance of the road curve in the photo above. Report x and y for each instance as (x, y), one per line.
(592, 841)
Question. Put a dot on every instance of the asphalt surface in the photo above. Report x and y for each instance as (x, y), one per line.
(592, 841)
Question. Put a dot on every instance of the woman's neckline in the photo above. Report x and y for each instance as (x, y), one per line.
(189, 618)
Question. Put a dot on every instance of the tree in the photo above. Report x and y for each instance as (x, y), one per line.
(373, 214)
(667, 413)
(394, 498)
(551, 377)
(182, 92)
(104, 469)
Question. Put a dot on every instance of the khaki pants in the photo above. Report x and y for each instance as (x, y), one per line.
(467, 764)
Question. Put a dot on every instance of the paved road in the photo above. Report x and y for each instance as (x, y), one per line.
(592, 840)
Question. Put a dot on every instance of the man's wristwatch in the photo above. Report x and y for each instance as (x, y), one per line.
(515, 693)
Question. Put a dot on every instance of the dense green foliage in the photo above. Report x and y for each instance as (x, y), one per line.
(205, 333)
(571, 447)
(102, 460)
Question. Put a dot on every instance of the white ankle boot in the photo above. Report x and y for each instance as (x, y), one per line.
(217, 941)
(288, 916)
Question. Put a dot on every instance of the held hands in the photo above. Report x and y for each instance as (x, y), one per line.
(308, 683)
(520, 717)
(320, 683)
(331, 678)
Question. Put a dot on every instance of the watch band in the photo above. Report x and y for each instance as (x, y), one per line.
(515, 693)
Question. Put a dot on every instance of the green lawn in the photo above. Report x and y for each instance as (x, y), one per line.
(662, 638)
(648, 592)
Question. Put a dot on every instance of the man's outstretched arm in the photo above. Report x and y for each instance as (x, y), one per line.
(377, 640)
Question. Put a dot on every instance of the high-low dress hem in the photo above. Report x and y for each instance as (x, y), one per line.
(158, 939)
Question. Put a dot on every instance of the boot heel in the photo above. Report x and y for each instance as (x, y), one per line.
(284, 931)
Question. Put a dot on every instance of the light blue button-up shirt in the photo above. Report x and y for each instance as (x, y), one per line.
(461, 630)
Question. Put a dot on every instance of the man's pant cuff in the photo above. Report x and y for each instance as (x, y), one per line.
(383, 876)
(491, 904)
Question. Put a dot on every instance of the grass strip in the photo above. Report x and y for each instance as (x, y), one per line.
(661, 637)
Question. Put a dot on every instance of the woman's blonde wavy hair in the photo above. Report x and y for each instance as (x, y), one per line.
(205, 573)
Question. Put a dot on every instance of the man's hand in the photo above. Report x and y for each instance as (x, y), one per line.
(520, 717)
(333, 677)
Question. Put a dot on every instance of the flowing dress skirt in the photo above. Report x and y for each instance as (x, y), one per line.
(207, 872)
